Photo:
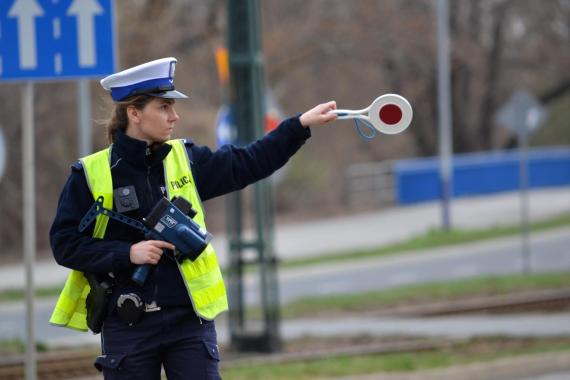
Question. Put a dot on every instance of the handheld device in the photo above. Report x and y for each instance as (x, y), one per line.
(168, 221)
(388, 113)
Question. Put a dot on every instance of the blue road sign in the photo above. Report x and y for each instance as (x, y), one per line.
(56, 39)
(225, 128)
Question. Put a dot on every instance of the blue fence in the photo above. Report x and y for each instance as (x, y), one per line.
(417, 180)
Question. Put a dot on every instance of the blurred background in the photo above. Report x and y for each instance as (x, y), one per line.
(377, 195)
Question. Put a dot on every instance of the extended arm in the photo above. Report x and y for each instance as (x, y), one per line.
(232, 168)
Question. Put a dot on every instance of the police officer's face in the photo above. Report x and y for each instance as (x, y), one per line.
(154, 123)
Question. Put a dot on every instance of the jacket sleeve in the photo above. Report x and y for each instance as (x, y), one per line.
(232, 168)
(79, 250)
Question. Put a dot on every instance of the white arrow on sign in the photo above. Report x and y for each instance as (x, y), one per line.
(25, 11)
(86, 10)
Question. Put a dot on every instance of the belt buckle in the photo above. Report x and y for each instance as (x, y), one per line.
(151, 307)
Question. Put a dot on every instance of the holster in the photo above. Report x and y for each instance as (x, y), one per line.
(97, 301)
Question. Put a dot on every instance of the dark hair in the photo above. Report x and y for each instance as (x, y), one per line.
(119, 119)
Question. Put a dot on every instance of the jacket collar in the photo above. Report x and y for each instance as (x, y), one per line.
(138, 152)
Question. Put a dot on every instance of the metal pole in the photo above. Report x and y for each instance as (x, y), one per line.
(234, 213)
(29, 222)
(523, 173)
(3, 154)
(444, 111)
(84, 118)
(248, 109)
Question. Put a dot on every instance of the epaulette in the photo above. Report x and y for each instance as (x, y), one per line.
(188, 142)
(77, 166)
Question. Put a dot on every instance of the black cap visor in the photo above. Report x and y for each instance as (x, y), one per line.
(172, 94)
(167, 92)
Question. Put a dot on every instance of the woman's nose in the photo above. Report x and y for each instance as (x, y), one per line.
(174, 116)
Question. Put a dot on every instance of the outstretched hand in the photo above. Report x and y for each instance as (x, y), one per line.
(319, 115)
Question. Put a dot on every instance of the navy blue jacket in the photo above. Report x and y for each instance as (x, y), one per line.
(132, 163)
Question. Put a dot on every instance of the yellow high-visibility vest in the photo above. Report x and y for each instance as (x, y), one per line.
(203, 277)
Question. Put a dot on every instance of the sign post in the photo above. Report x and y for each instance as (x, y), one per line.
(29, 219)
(84, 146)
(444, 113)
(523, 114)
(49, 40)
(3, 154)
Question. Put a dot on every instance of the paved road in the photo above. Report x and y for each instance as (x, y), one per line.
(550, 252)
(551, 376)
(466, 326)
(360, 231)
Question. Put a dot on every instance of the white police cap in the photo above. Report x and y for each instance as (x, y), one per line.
(154, 78)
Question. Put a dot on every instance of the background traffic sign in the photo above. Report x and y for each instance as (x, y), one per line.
(52, 39)
(521, 111)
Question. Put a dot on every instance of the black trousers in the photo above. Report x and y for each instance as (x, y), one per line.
(173, 337)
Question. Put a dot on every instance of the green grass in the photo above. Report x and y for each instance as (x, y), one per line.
(19, 294)
(470, 352)
(432, 239)
(12, 346)
(17, 346)
(430, 292)
(337, 366)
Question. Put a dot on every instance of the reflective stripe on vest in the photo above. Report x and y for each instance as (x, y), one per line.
(202, 277)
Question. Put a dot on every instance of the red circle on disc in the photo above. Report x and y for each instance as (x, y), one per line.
(390, 114)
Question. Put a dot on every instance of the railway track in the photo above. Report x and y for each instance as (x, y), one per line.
(78, 365)
(52, 366)
(538, 300)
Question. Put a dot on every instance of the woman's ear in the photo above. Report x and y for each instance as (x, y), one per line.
(133, 114)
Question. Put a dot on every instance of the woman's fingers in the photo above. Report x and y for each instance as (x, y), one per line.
(154, 258)
(319, 114)
(148, 251)
(162, 244)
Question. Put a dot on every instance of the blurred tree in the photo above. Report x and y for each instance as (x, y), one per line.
(351, 51)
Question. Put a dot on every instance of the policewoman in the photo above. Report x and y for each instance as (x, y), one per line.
(168, 322)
